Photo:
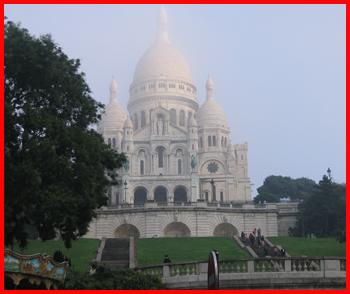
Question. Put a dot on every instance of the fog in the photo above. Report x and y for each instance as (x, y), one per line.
(278, 70)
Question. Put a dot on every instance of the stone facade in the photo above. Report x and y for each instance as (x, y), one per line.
(178, 152)
(174, 147)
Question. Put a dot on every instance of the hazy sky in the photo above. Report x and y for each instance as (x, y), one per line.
(278, 70)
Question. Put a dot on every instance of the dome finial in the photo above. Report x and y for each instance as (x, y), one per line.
(210, 87)
(162, 25)
(113, 89)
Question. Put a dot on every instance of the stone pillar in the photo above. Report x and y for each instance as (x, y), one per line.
(194, 186)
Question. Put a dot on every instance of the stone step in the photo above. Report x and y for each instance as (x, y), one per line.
(116, 264)
(121, 256)
(115, 253)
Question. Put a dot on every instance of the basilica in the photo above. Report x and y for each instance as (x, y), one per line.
(178, 151)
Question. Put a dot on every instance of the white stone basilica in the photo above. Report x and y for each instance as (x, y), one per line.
(177, 151)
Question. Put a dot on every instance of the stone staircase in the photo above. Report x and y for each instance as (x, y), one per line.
(115, 253)
(255, 251)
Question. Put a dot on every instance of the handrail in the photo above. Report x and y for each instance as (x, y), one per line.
(249, 265)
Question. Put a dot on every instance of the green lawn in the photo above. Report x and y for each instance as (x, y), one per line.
(311, 247)
(81, 252)
(152, 250)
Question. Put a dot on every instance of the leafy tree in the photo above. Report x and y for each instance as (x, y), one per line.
(55, 163)
(278, 187)
(112, 279)
(59, 257)
(324, 212)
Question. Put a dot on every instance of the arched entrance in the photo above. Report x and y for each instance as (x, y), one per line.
(126, 231)
(160, 194)
(176, 229)
(225, 230)
(140, 195)
(180, 195)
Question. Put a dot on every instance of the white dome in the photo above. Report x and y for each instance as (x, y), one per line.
(211, 114)
(162, 60)
(114, 115)
(192, 122)
(128, 123)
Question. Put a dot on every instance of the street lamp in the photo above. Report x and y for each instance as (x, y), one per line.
(301, 207)
(125, 183)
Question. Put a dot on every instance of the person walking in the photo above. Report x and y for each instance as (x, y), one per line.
(254, 233)
(166, 260)
(283, 252)
(262, 241)
(259, 241)
(259, 233)
(275, 250)
(266, 250)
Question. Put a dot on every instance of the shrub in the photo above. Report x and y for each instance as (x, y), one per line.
(112, 279)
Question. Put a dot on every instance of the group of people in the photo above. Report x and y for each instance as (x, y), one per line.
(252, 237)
(261, 242)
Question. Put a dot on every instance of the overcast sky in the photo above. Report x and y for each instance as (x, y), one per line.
(278, 70)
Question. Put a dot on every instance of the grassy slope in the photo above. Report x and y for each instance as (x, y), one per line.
(81, 252)
(311, 247)
(152, 251)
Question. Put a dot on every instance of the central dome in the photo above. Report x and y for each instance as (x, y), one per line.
(162, 59)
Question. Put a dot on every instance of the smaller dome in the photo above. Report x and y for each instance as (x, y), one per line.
(128, 123)
(192, 122)
(211, 114)
(113, 118)
(114, 115)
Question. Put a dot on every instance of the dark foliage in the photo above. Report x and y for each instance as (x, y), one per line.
(54, 162)
(278, 187)
(59, 257)
(112, 279)
(324, 212)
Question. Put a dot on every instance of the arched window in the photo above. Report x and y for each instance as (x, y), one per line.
(136, 122)
(114, 143)
(160, 151)
(143, 119)
(206, 196)
(173, 116)
(182, 118)
(142, 167)
(225, 142)
(222, 196)
(222, 141)
(201, 142)
(109, 141)
(214, 140)
(209, 141)
(179, 166)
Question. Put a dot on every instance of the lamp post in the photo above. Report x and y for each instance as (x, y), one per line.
(301, 207)
(125, 183)
(212, 189)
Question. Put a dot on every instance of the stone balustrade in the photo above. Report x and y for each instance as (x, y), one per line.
(263, 273)
(192, 204)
